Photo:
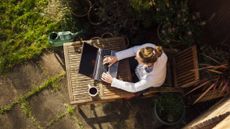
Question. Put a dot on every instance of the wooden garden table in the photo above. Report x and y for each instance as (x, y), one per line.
(78, 83)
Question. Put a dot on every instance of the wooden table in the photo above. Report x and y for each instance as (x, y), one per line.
(78, 83)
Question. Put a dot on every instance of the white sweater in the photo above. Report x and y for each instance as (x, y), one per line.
(155, 78)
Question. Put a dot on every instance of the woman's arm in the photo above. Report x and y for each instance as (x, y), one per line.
(131, 51)
(120, 55)
(134, 87)
(127, 53)
(129, 86)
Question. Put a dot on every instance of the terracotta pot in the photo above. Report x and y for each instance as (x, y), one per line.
(81, 8)
(94, 15)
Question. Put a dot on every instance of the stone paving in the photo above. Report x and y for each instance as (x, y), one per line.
(47, 105)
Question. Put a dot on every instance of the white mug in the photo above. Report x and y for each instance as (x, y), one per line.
(92, 90)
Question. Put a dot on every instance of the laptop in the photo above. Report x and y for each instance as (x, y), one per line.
(91, 63)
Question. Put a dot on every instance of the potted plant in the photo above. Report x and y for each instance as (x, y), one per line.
(215, 75)
(96, 14)
(80, 8)
(169, 108)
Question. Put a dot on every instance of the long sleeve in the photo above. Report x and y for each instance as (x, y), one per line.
(153, 79)
(131, 51)
(134, 87)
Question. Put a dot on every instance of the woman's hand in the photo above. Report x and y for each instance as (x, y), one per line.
(106, 77)
(110, 60)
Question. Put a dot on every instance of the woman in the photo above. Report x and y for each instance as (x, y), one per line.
(151, 69)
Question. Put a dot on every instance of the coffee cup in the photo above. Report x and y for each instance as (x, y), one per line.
(92, 90)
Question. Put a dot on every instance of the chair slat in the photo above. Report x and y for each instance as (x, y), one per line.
(186, 67)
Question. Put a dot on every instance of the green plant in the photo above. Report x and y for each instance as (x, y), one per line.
(141, 5)
(79, 124)
(46, 84)
(143, 11)
(26, 109)
(7, 107)
(169, 108)
(25, 36)
(56, 86)
(58, 118)
(177, 25)
(69, 110)
(80, 8)
(217, 73)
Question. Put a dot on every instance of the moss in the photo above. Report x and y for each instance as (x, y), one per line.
(36, 90)
(26, 109)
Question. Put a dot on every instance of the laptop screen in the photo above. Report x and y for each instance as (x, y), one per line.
(88, 60)
(91, 63)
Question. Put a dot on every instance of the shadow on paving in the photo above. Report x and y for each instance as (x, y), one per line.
(104, 115)
(126, 114)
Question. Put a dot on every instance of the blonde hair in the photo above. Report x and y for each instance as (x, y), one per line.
(150, 54)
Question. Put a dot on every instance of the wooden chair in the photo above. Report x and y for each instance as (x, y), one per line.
(182, 71)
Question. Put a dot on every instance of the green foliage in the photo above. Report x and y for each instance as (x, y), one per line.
(214, 70)
(26, 109)
(7, 107)
(79, 124)
(45, 85)
(25, 25)
(58, 118)
(214, 54)
(140, 5)
(177, 25)
(169, 107)
(69, 110)
(143, 11)
(56, 86)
